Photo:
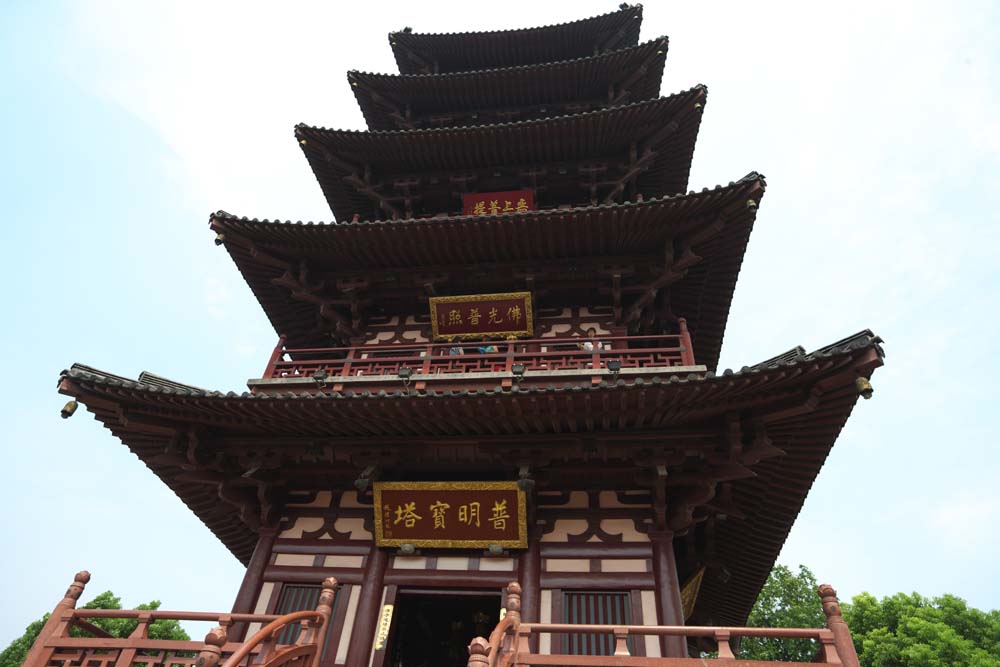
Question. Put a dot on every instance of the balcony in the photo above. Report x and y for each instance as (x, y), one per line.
(56, 646)
(514, 642)
(442, 366)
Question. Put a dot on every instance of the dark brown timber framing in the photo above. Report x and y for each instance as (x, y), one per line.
(615, 251)
(428, 53)
(640, 148)
(533, 184)
(526, 92)
(802, 402)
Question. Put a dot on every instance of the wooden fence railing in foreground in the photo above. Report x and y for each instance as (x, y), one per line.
(55, 647)
(510, 643)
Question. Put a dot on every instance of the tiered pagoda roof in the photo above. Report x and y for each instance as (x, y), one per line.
(708, 230)
(524, 92)
(428, 53)
(572, 113)
(646, 146)
(804, 400)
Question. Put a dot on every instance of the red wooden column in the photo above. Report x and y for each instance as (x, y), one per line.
(668, 592)
(368, 608)
(530, 578)
(252, 580)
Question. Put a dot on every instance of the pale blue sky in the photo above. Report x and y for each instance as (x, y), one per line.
(125, 124)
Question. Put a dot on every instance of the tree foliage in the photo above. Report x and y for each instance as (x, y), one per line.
(911, 630)
(14, 654)
(788, 600)
(897, 631)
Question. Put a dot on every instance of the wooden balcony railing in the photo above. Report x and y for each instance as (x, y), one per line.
(56, 647)
(448, 360)
(511, 641)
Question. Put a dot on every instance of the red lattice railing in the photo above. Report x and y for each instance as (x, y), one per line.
(55, 647)
(431, 360)
(510, 643)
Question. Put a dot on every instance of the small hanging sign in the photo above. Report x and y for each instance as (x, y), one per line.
(496, 203)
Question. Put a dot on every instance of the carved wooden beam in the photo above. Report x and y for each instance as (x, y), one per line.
(634, 167)
(425, 65)
(619, 93)
(674, 270)
(761, 448)
(302, 292)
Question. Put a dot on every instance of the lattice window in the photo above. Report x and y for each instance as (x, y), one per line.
(302, 598)
(596, 608)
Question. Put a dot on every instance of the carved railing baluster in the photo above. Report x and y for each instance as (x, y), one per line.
(842, 641)
(621, 641)
(478, 650)
(58, 623)
(725, 650)
(211, 654)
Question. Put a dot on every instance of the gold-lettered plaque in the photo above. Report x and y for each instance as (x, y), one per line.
(482, 316)
(450, 515)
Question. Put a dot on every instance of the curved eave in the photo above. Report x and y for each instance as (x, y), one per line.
(562, 82)
(336, 155)
(703, 295)
(428, 53)
(147, 418)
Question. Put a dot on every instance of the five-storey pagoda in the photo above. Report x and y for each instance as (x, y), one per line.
(499, 363)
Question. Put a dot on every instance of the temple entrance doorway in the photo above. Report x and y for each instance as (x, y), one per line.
(434, 628)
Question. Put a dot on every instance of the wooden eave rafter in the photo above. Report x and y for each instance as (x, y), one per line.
(736, 451)
(402, 102)
(429, 53)
(651, 141)
(392, 259)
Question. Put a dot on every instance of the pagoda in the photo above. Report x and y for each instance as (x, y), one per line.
(499, 364)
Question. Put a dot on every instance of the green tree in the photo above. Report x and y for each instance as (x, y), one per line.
(913, 631)
(897, 631)
(14, 654)
(787, 600)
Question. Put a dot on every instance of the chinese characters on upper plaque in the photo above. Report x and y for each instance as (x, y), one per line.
(480, 315)
(450, 514)
(497, 203)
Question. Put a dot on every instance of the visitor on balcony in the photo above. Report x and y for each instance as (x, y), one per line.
(456, 350)
(591, 343)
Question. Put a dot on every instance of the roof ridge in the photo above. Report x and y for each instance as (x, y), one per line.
(701, 88)
(551, 63)
(753, 176)
(621, 10)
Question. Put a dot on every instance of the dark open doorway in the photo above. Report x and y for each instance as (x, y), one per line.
(434, 629)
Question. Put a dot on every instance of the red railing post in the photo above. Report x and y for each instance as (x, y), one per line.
(276, 355)
(838, 626)
(621, 641)
(687, 352)
(725, 650)
(211, 654)
(345, 370)
(478, 650)
(39, 654)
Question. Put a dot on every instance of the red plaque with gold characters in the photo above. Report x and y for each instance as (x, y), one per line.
(450, 515)
(481, 315)
(496, 203)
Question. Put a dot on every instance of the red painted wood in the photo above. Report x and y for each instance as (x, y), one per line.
(436, 359)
